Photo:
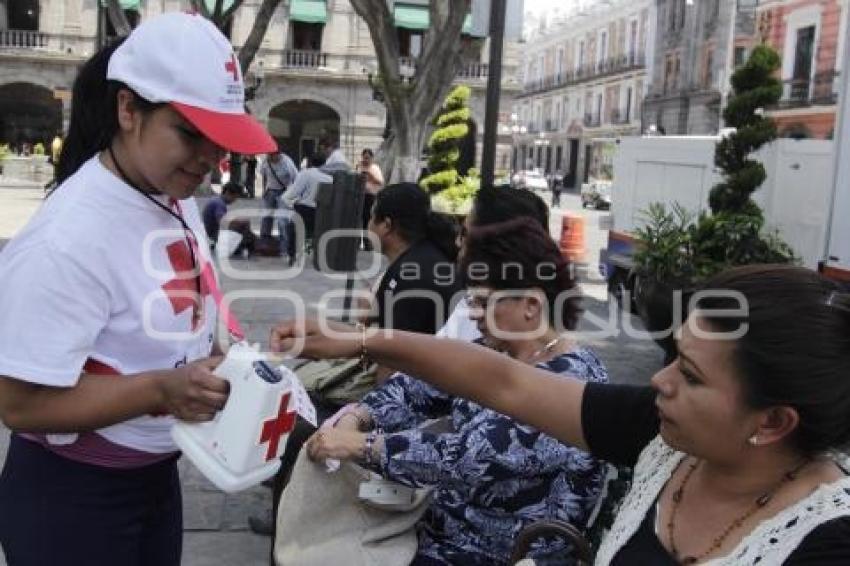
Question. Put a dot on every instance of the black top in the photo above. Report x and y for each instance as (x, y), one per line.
(618, 421)
(416, 291)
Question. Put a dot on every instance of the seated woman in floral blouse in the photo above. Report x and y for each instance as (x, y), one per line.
(492, 475)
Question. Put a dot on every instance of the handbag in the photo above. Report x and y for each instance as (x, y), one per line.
(322, 521)
(338, 382)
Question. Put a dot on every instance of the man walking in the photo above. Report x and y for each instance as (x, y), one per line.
(556, 184)
(278, 172)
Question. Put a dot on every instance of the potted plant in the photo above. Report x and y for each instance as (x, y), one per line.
(677, 250)
(450, 192)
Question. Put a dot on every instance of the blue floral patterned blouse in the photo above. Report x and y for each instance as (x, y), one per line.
(492, 475)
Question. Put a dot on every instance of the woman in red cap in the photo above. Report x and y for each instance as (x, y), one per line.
(108, 310)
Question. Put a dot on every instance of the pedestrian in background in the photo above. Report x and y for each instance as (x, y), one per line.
(214, 212)
(277, 173)
(250, 175)
(301, 197)
(557, 185)
(373, 181)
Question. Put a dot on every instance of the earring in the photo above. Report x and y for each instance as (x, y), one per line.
(754, 440)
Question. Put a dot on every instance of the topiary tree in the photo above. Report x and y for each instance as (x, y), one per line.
(444, 145)
(734, 233)
(754, 87)
(675, 251)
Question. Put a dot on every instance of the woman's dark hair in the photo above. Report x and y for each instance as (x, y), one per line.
(520, 254)
(316, 160)
(409, 208)
(796, 348)
(368, 152)
(493, 205)
(94, 113)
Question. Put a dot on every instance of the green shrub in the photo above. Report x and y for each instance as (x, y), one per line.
(444, 144)
(680, 249)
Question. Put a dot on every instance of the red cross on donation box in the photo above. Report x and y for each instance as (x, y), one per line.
(276, 427)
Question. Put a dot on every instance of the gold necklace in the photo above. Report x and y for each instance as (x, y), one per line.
(545, 349)
(718, 541)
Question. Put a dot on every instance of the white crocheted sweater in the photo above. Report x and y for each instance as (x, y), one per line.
(770, 543)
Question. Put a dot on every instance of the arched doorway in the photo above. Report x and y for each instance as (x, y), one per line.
(28, 114)
(299, 125)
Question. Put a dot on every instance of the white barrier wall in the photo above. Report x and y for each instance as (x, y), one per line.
(795, 197)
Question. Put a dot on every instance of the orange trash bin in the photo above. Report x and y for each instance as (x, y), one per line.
(572, 237)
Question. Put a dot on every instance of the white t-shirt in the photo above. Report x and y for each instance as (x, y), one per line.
(91, 279)
(306, 187)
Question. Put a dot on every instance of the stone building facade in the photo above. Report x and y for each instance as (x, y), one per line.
(810, 36)
(311, 73)
(696, 45)
(584, 80)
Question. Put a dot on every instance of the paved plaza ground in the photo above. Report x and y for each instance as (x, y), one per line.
(215, 523)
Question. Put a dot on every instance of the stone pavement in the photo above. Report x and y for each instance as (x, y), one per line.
(216, 523)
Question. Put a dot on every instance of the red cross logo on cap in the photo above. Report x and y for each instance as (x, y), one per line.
(230, 67)
(276, 427)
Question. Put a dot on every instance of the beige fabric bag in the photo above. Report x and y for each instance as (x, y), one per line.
(321, 521)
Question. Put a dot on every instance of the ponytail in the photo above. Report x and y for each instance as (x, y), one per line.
(94, 113)
(94, 119)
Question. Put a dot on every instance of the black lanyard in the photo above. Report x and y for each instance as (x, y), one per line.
(191, 240)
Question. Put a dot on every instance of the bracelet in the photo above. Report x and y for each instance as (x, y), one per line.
(364, 354)
(368, 456)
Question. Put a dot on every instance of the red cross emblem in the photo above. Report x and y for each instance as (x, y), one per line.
(230, 67)
(182, 291)
(276, 427)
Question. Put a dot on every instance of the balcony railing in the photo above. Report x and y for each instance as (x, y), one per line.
(611, 66)
(474, 71)
(301, 59)
(592, 120)
(20, 38)
(820, 91)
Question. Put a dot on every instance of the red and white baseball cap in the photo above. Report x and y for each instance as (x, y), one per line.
(183, 59)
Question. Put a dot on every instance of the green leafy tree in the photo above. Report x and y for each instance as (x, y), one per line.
(452, 126)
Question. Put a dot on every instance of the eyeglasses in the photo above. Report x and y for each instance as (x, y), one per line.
(485, 300)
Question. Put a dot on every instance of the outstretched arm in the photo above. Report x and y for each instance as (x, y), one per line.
(191, 393)
(550, 404)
